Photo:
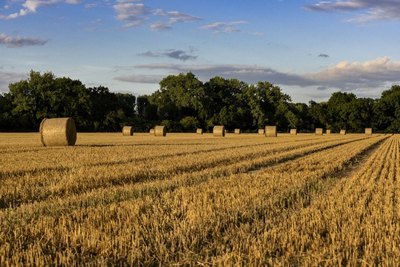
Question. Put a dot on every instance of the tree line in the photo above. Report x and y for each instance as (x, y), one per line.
(184, 103)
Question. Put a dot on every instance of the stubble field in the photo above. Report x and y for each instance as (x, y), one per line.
(189, 199)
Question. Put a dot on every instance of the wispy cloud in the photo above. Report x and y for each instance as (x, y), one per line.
(31, 6)
(357, 75)
(224, 27)
(170, 53)
(348, 76)
(370, 9)
(140, 78)
(159, 26)
(134, 14)
(323, 55)
(14, 42)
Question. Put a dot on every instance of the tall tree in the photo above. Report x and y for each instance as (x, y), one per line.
(387, 110)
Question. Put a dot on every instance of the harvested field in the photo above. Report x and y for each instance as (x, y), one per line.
(190, 199)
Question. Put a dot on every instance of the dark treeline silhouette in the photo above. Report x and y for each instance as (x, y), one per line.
(184, 103)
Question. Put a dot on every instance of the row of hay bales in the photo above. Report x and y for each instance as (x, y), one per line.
(269, 131)
(320, 131)
(62, 131)
(156, 131)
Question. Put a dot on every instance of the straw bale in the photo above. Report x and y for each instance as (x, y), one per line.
(328, 132)
(270, 131)
(219, 131)
(151, 132)
(343, 132)
(127, 131)
(237, 131)
(199, 131)
(293, 131)
(319, 131)
(58, 132)
(261, 131)
(160, 130)
(368, 131)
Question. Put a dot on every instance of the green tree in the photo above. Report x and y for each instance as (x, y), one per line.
(387, 111)
(43, 95)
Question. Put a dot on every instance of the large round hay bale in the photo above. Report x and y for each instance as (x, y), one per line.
(293, 131)
(237, 131)
(127, 131)
(160, 130)
(199, 131)
(219, 131)
(58, 132)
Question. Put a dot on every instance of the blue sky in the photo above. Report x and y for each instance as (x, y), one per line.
(309, 48)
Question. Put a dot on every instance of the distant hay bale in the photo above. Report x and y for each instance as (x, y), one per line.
(58, 132)
(368, 131)
(328, 132)
(127, 131)
(237, 131)
(151, 132)
(270, 131)
(261, 131)
(293, 131)
(319, 131)
(160, 130)
(199, 131)
(219, 131)
(343, 132)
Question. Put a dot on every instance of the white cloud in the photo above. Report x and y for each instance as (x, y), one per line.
(31, 6)
(224, 27)
(13, 42)
(152, 79)
(134, 14)
(370, 9)
(357, 75)
(158, 26)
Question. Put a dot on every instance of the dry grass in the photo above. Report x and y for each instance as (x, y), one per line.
(191, 199)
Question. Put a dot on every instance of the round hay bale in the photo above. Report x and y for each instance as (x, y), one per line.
(219, 131)
(160, 130)
(151, 132)
(271, 131)
(199, 131)
(293, 131)
(58, 132)
(319, 131)
(368, 131)
(328, 132)
(261, 131)
(127, 131)
(237, 131)
(343, 132)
